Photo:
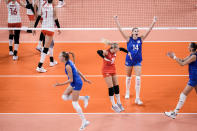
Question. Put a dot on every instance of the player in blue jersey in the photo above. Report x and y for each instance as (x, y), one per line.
(134, 57)
(75, 81)
(191, 60)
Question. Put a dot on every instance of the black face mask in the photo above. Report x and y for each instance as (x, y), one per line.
(50, 1)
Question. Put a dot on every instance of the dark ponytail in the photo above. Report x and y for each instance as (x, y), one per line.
(193, 45)
(66, 55)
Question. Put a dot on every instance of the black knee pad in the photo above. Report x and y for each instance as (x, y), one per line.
(111, 91)
(45, 50)
(116, 89)
(41, 36)
(11, 37)
(16, 36)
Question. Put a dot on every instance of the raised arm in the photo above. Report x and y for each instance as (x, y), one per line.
(183, 62)
(151, 27)
(120, 29)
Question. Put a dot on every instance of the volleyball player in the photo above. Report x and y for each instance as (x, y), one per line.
(109, 73)
(31, 14)
(49, 17)
(134, 46)
(191, 60)
(75, 85)
(14, 21)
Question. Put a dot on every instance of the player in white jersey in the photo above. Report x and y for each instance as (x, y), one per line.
(48, 12)
(31, 14)
(14, 21)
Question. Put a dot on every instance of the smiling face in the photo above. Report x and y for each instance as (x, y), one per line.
(135, 31)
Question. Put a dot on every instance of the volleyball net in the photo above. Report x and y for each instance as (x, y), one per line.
(98, 14)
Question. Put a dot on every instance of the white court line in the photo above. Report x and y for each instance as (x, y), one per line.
(46, 76)
(92, 113)
(79, 42)
(103, 29)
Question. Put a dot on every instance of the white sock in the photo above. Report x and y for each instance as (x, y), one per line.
(51, 52)
(112, 100)
(182, 99)
(137, 86)
(42, 58)
(66, 97)
(16, 47)
(118, 98)
(128, 84)
(78, 110)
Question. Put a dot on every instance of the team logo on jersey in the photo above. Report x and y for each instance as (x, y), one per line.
(138, 41)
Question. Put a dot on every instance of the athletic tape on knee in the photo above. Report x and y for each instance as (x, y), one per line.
(116, 89)
(111, 91)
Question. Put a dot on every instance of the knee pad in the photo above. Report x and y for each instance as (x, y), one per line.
(182, 97)
(45, 50)
(111, 91)
(116, 89)
(76, 106)
(16, 36)
(65, 97)
(11, 37)
(137, 80)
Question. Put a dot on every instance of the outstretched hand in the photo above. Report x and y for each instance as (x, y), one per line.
(171, 55)
(88, 81)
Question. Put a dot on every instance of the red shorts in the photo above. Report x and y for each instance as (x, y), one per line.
(31, 17)
(48, 33)
(14, 25)
(108, 74)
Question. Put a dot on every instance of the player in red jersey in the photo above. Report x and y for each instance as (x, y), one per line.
(109, 73)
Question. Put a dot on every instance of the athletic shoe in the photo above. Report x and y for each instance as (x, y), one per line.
(41, 70)
(121, 107)
(11, 53)
(53, 63)
(138, 101)
(39, 48)
(60, 4)
(15, 57)
(171, 114)
(116, 108)
(86, 101)
(127, 95)
(84, 125)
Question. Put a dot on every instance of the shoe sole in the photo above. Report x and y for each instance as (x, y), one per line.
(85, 126)
(168, 116)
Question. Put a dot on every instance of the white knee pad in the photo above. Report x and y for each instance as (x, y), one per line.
(66, 97)
(76, 106)
(183, 97)
(138, 80)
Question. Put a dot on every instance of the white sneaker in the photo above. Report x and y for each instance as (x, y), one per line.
(116, 109)
(11, 53)
(171, 114)
(53, 63)
(60, 4)
(41, 70)
(15, 57)
(121, 107)
(138, 101)
(86, 101)
(127, 95)
(84, 125)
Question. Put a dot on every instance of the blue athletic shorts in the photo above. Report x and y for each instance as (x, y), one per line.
(77, 86)
(192, 83)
